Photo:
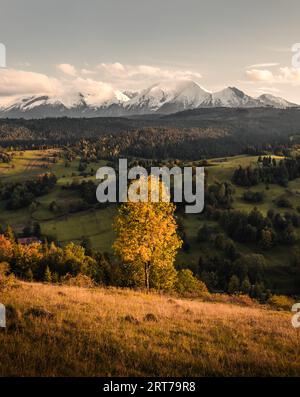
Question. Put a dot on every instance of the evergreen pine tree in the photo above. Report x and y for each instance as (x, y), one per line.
(47, 275)
(233, 285)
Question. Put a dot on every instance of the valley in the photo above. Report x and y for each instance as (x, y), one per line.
(65, 217)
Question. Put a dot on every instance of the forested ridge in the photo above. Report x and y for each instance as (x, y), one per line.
(191, 135)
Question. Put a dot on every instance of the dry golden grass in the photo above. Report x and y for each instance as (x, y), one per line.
(106, 332)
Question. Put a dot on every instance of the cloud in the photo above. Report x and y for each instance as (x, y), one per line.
(20, 82)
(259, 75)
(290, 75)
(67, 69)
(262, 65)
(95, 92)
(257, 91)
(98, 84)
(87, 72)
(112, 68)
(144, 71)
(269, 90)
(284, 75)
(139, 76)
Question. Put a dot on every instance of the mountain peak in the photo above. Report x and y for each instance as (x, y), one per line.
(276, 102)
(236, 91)
(232, 97)
(169, 97)
(162, 97)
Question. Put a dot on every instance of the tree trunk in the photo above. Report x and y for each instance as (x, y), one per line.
(147, 283)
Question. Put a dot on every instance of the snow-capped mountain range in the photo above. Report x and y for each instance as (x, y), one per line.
(164, 98)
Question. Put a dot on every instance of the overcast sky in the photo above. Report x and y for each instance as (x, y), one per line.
(94, 44)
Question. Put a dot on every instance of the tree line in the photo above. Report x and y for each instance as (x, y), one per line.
(22, 194)
(268, 170)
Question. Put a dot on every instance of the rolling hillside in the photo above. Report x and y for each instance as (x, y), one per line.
(72, 331)
(96, 223)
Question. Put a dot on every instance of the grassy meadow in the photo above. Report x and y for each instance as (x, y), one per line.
(95, 224)
(71, 331)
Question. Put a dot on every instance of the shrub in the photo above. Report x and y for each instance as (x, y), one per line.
(80, 280)
(6, 281)
(150, 317)
(283, 203)
(130, 319)
(253, 197)
(187, 283)
(4, 268)
(246, 285)
(233, 285)
(281, 302)
(37, 311)
(47, 275)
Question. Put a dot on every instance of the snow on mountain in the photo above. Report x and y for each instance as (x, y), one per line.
(114, 97)
(165, 98)
(182, 94)
(28, 103)
(130, 93)
(276, 102)
(67, 105)
(233, 98)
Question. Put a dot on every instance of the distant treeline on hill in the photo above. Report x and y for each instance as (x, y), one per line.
(268, 170)
(22, 194)
(189, 135)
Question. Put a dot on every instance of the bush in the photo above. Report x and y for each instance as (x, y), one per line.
(281, 302)
(38, 312)
(234, 285)
(283, 203)
(187, 284)
(8, 282)
(150, 317)
(4, 268)
(253, 197)
(80, 280)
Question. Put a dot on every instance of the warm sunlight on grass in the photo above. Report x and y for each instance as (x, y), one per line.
(71, 331)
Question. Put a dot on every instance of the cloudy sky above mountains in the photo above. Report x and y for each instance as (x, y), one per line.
(62, 47)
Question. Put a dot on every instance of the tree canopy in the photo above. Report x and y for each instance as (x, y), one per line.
(147, 239)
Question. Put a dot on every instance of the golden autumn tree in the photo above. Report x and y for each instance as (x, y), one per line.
(6, 249)
(147, 240)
